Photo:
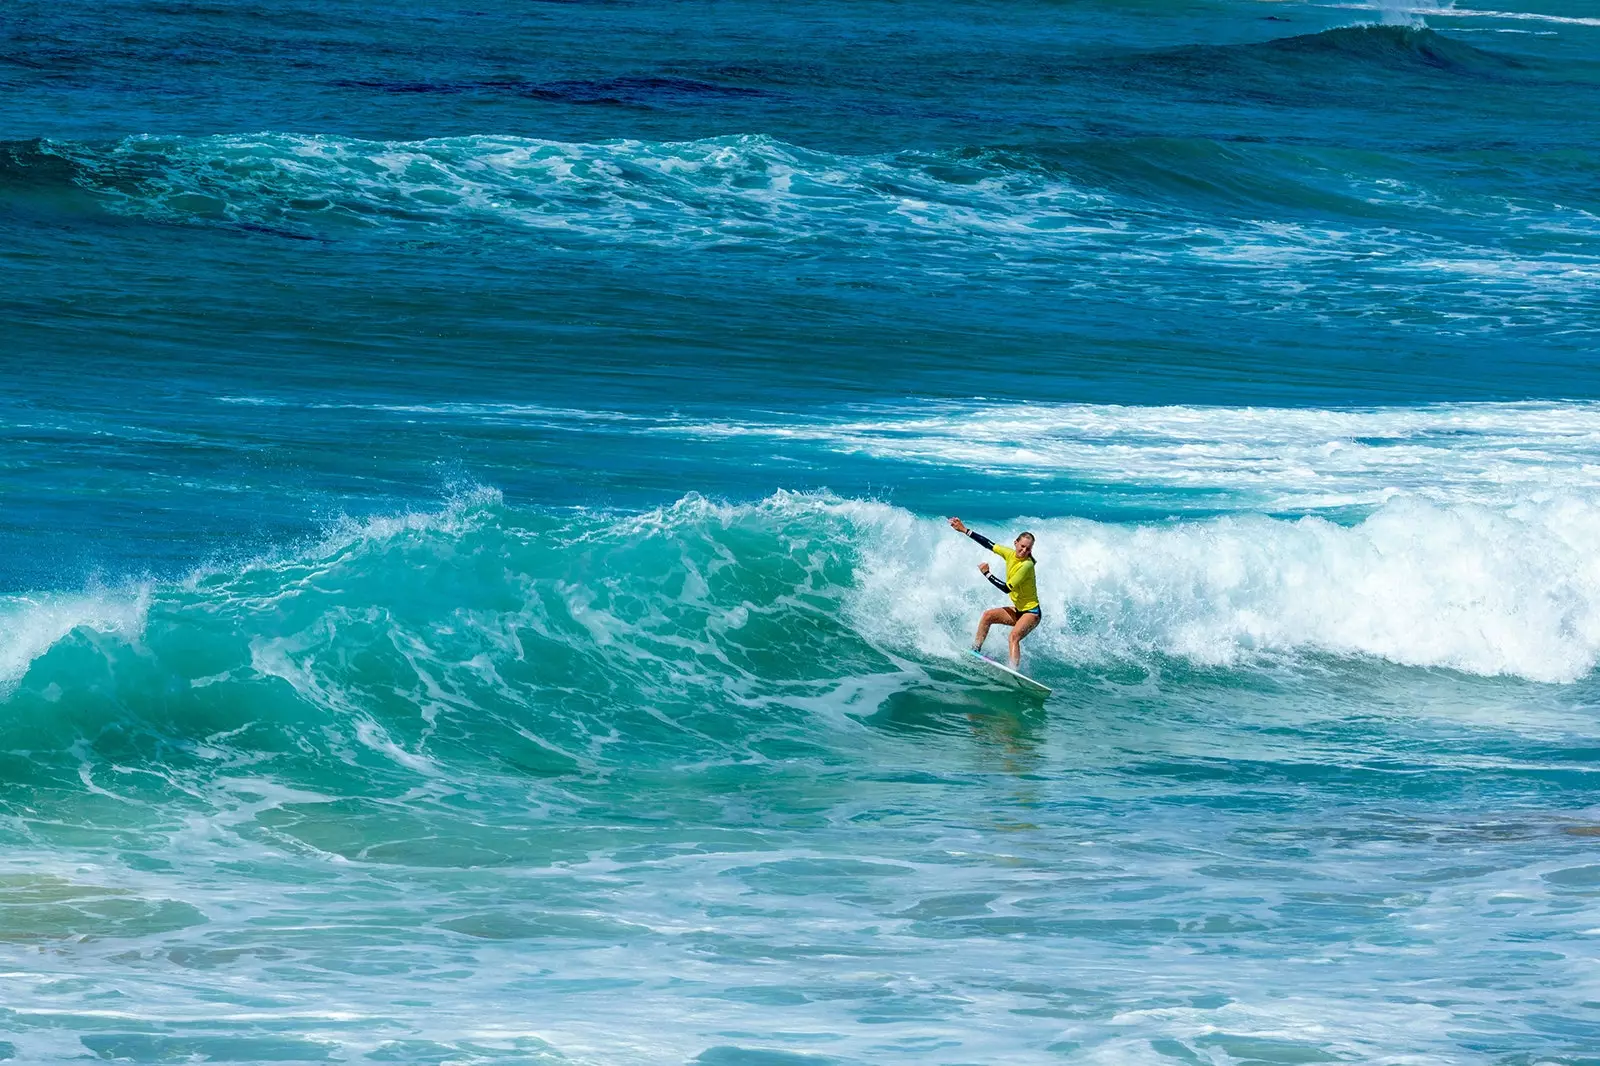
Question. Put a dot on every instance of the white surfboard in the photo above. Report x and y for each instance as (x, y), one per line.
(1004, 674)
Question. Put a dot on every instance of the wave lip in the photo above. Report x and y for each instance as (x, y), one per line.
(32, 625)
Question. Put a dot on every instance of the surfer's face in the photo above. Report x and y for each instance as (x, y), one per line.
(1024, 545)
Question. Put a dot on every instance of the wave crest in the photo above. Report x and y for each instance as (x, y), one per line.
(543, 638)
(1403, 46)
(32, 625)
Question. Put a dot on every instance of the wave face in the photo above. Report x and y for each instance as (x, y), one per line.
(478, 631)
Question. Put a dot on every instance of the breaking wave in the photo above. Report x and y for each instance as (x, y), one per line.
(550, 641)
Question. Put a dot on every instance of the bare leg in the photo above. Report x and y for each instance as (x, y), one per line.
(1006, 616)
(1022, 627)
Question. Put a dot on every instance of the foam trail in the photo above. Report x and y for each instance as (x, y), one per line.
(1271, 459)
(1263, 458)
(748, 189)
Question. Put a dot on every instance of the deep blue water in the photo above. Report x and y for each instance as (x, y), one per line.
(473, 578)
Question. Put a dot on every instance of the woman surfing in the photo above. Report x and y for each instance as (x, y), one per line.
(1024, 614)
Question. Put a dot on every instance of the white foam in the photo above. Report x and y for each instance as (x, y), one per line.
(1274, 459)
(1481, 590)
(1410, 13)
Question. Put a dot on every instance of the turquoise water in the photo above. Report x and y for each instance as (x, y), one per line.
(473, 575)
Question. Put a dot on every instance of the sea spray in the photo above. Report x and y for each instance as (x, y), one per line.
(30, 625)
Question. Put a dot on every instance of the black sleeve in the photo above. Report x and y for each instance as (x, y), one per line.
(981, 539)
(997, 583)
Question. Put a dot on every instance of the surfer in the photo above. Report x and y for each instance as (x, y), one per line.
(1023, 614)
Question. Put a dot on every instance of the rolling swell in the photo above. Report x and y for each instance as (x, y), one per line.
(1395, 47)
(1330, 57)
(536, 644)
(1125, 206)
(1106, 194)
(741, 189)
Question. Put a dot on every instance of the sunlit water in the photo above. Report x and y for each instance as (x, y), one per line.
(475, 586)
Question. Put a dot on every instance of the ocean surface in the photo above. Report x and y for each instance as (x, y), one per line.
(474, 582)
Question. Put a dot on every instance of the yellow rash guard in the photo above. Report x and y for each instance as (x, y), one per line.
(1019, 575)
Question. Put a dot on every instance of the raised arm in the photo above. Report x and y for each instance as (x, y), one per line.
(961, 527)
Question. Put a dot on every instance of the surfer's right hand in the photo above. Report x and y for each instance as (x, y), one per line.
(957, 525)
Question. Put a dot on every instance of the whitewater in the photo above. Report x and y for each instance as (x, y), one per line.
(475, 581)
